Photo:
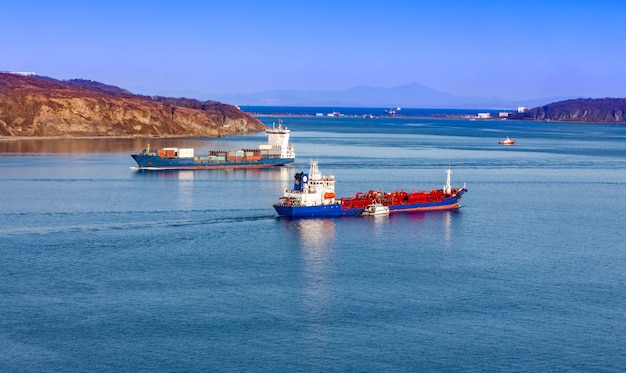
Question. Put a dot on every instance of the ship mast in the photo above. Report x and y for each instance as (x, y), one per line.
(448, 188)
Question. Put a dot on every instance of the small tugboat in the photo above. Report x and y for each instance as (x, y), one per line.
(313, 196)
(376, 209)
(276, 152)
(506, 141)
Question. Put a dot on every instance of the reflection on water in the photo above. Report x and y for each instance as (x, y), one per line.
(316, 238)
(185, 175)
(447, 229)
(104, 145)
(185, 189)
(377, 225)
(317, 241)
(280, 173)
(418, 225)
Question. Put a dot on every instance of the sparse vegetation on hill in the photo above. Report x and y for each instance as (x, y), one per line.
(41, 106)
(604, 110)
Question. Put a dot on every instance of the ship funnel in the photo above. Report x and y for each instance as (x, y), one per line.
(300, 179)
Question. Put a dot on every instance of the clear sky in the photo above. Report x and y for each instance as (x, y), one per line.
(506, 49)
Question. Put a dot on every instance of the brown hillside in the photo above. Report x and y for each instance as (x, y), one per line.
(37, 106)
(587, 110)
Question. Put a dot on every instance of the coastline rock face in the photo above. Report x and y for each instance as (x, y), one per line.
(586, 110)
(38, 106)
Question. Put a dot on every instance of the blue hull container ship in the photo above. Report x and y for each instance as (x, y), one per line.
(276, 152)
(313, 196)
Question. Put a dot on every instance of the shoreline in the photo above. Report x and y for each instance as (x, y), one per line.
(442, 117)
(367, 116)
(91, 137)
(278, 115)
(120, 137)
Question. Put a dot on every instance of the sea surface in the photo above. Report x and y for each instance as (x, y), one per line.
(107, 269)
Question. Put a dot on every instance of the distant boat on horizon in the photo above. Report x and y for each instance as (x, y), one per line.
(393, 111)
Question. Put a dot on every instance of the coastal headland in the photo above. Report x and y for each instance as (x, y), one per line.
(34, 106)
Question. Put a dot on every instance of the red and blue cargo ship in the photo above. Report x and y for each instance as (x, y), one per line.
(313, 196)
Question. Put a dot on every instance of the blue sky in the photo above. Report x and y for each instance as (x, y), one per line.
(506, 49)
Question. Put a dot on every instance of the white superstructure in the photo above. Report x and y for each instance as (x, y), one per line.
(312, 189)
(278, 138)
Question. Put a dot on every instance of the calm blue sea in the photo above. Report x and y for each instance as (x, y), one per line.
(103, 268)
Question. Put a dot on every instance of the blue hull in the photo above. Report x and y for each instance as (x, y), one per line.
(154, 162)
(322, 211)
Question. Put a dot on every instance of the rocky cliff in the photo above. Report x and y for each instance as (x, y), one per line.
(603, 110)
(39, 106)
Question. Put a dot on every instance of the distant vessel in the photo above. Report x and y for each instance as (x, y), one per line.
(393, 111)
(313, 195)
(506, 141)
(276, 152)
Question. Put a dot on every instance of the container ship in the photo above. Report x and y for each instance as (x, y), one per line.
(313, 196)
(276, 152)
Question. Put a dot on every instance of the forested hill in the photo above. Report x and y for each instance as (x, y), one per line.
(587, 110)
(40, 106)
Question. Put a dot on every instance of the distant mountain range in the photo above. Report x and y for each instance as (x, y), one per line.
(412, 95)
